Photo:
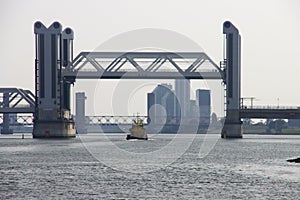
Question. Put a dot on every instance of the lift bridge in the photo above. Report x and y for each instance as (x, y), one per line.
(56, 70)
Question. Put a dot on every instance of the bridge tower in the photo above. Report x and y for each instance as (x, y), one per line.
(233, 126)
(52, 117)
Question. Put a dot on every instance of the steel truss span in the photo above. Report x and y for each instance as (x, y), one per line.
(114, 119)
(16, 100)
(143, 65)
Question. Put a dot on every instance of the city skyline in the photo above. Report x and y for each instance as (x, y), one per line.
(169, 108)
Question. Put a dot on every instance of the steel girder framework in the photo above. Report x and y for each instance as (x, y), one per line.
(15, 100)
(114, 119)
(143, 65)
(92, 120)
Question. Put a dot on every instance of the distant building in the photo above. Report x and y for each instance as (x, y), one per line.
(204, 104)
(170, 104)
(194, 111)
(163, 96)
(182, 91)
(178, 109)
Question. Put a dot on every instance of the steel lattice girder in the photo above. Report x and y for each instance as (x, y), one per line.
(12, 103)
(114, 119)
(154, 70)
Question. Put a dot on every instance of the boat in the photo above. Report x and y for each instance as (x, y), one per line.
(137, 131)
(296, 160)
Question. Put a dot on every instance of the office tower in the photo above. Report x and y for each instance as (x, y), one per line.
(182, 91)
(204, 104)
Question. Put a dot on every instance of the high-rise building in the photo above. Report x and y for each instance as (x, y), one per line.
(182, 91)
(164, 97)
(194, 110)
(204, 104)
(180, 112)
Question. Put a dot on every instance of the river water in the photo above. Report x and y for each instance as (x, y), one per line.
(109, 167)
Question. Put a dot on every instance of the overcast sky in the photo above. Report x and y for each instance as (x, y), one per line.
(270, 31)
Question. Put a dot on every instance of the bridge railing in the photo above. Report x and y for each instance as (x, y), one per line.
(16, 100)
(113, 119)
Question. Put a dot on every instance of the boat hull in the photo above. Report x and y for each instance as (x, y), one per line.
(130, 137)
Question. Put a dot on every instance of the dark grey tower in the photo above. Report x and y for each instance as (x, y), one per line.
(52, 117)
(232, 127)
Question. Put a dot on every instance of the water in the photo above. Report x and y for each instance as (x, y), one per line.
(254, 167)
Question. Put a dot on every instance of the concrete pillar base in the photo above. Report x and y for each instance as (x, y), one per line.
(54, 129)
(232, 130)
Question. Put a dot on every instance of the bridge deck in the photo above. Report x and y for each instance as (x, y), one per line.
(141, 75)
(17, 110)
(270, 113)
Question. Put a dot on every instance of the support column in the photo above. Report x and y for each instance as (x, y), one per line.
(52, 117)
(6, 129)
(67, 57)
(80, 113)
(233, 126)
(6, 120)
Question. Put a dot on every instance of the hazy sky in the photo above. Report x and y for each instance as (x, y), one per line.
(270, 31)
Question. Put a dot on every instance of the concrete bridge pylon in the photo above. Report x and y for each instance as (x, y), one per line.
(52, 117)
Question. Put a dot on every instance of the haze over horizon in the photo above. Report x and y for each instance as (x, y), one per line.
(269, 29)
